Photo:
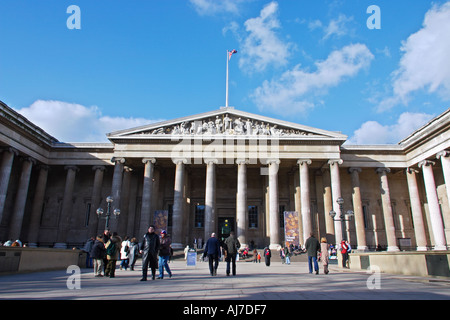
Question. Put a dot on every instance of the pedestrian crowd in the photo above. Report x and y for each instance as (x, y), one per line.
(155, 249)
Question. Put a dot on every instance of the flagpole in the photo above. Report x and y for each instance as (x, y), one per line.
(226, 95)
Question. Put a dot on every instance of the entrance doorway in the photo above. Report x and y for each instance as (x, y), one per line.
(226, 225)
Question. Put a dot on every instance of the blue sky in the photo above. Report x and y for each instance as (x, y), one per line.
(310, 62)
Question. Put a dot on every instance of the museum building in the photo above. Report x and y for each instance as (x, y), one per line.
(221, 171)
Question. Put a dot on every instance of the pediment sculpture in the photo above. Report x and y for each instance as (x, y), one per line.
(226, 125)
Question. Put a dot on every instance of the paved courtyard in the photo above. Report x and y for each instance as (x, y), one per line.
(253, 282)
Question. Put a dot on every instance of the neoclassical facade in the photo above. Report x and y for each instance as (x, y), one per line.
(226, 170)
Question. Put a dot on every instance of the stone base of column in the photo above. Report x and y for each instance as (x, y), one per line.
(440, 247)
(393, 249)
(362, 249)
(177, 246)
(60, 245)
(422, 249)
(243, 246)
(274, 246)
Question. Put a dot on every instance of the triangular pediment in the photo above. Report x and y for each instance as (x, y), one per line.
(226, 122)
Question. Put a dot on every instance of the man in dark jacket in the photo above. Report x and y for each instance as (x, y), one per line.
(149, 249)
(312, 246)
(232, 246)
(212, 250)
(164, 254)
(98, 253)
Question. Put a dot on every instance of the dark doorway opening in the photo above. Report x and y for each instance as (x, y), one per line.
(226, 225)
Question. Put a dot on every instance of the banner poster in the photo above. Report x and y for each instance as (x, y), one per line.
(291, 228)
(160, 220)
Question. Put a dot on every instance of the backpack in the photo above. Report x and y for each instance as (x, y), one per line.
(111, 250)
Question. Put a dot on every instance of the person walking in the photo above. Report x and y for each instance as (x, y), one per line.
(125, 253)
(149, 249)
(267, 256)
(164, 254)
(98, 253)
(324, 246)
(113, 247)
(312, 246)
(344, 252)
(134, 252)
(212, 250)
(232, 246)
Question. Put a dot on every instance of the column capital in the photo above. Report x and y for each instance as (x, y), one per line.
(354, 169)
(101, 168)
(411, 170)
(118, 159)
(443, 153)
(304, 161)
(179, 160)
(145, 160)
(425, 163)
(29, 159)
(335, 161)
(241, 161)
(44, 167)
(74, 168)
(211, 161)
(270, 161)
(382, 170)
(10, 150)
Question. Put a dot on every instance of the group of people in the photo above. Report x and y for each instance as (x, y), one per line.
(108, 248)
(11, 243)
(314, 248)
(213, 251)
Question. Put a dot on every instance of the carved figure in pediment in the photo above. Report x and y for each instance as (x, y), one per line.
(238, 126)
(159, 131)
(227, 123)
(219, 124)
(248, 127)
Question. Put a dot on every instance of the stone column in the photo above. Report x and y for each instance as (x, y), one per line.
(241, 202)
(5, 173)
(147, 190)
(210, 197)
(124, 202)
(96, 199)
(433, 205)
(15, 225)
(177, 217)
(116, 190)
(328, 205)
(298, 205)
(305, 197)
(67, 205)
(445, 160)
(335, 194)
(357, 209)
(274, 218)
(387, 209)
(416, 209)
(38, 202)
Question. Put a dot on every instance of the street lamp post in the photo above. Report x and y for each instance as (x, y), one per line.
(116, 212)
(342, 217)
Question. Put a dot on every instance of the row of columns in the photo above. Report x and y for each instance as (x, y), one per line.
(241, 199)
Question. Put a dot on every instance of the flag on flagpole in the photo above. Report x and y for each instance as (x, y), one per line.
(230, 53)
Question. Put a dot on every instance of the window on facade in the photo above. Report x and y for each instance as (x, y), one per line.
(199, 216)
(252, 217)
(86, 217)
(366, 216)
(170, 214)
(281, 215)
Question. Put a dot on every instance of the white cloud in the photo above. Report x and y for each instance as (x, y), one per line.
(71, 122)
(372, 132)
(297, 89)
(261, 46)
(425, 64)
(212, 7)
(337, 27)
